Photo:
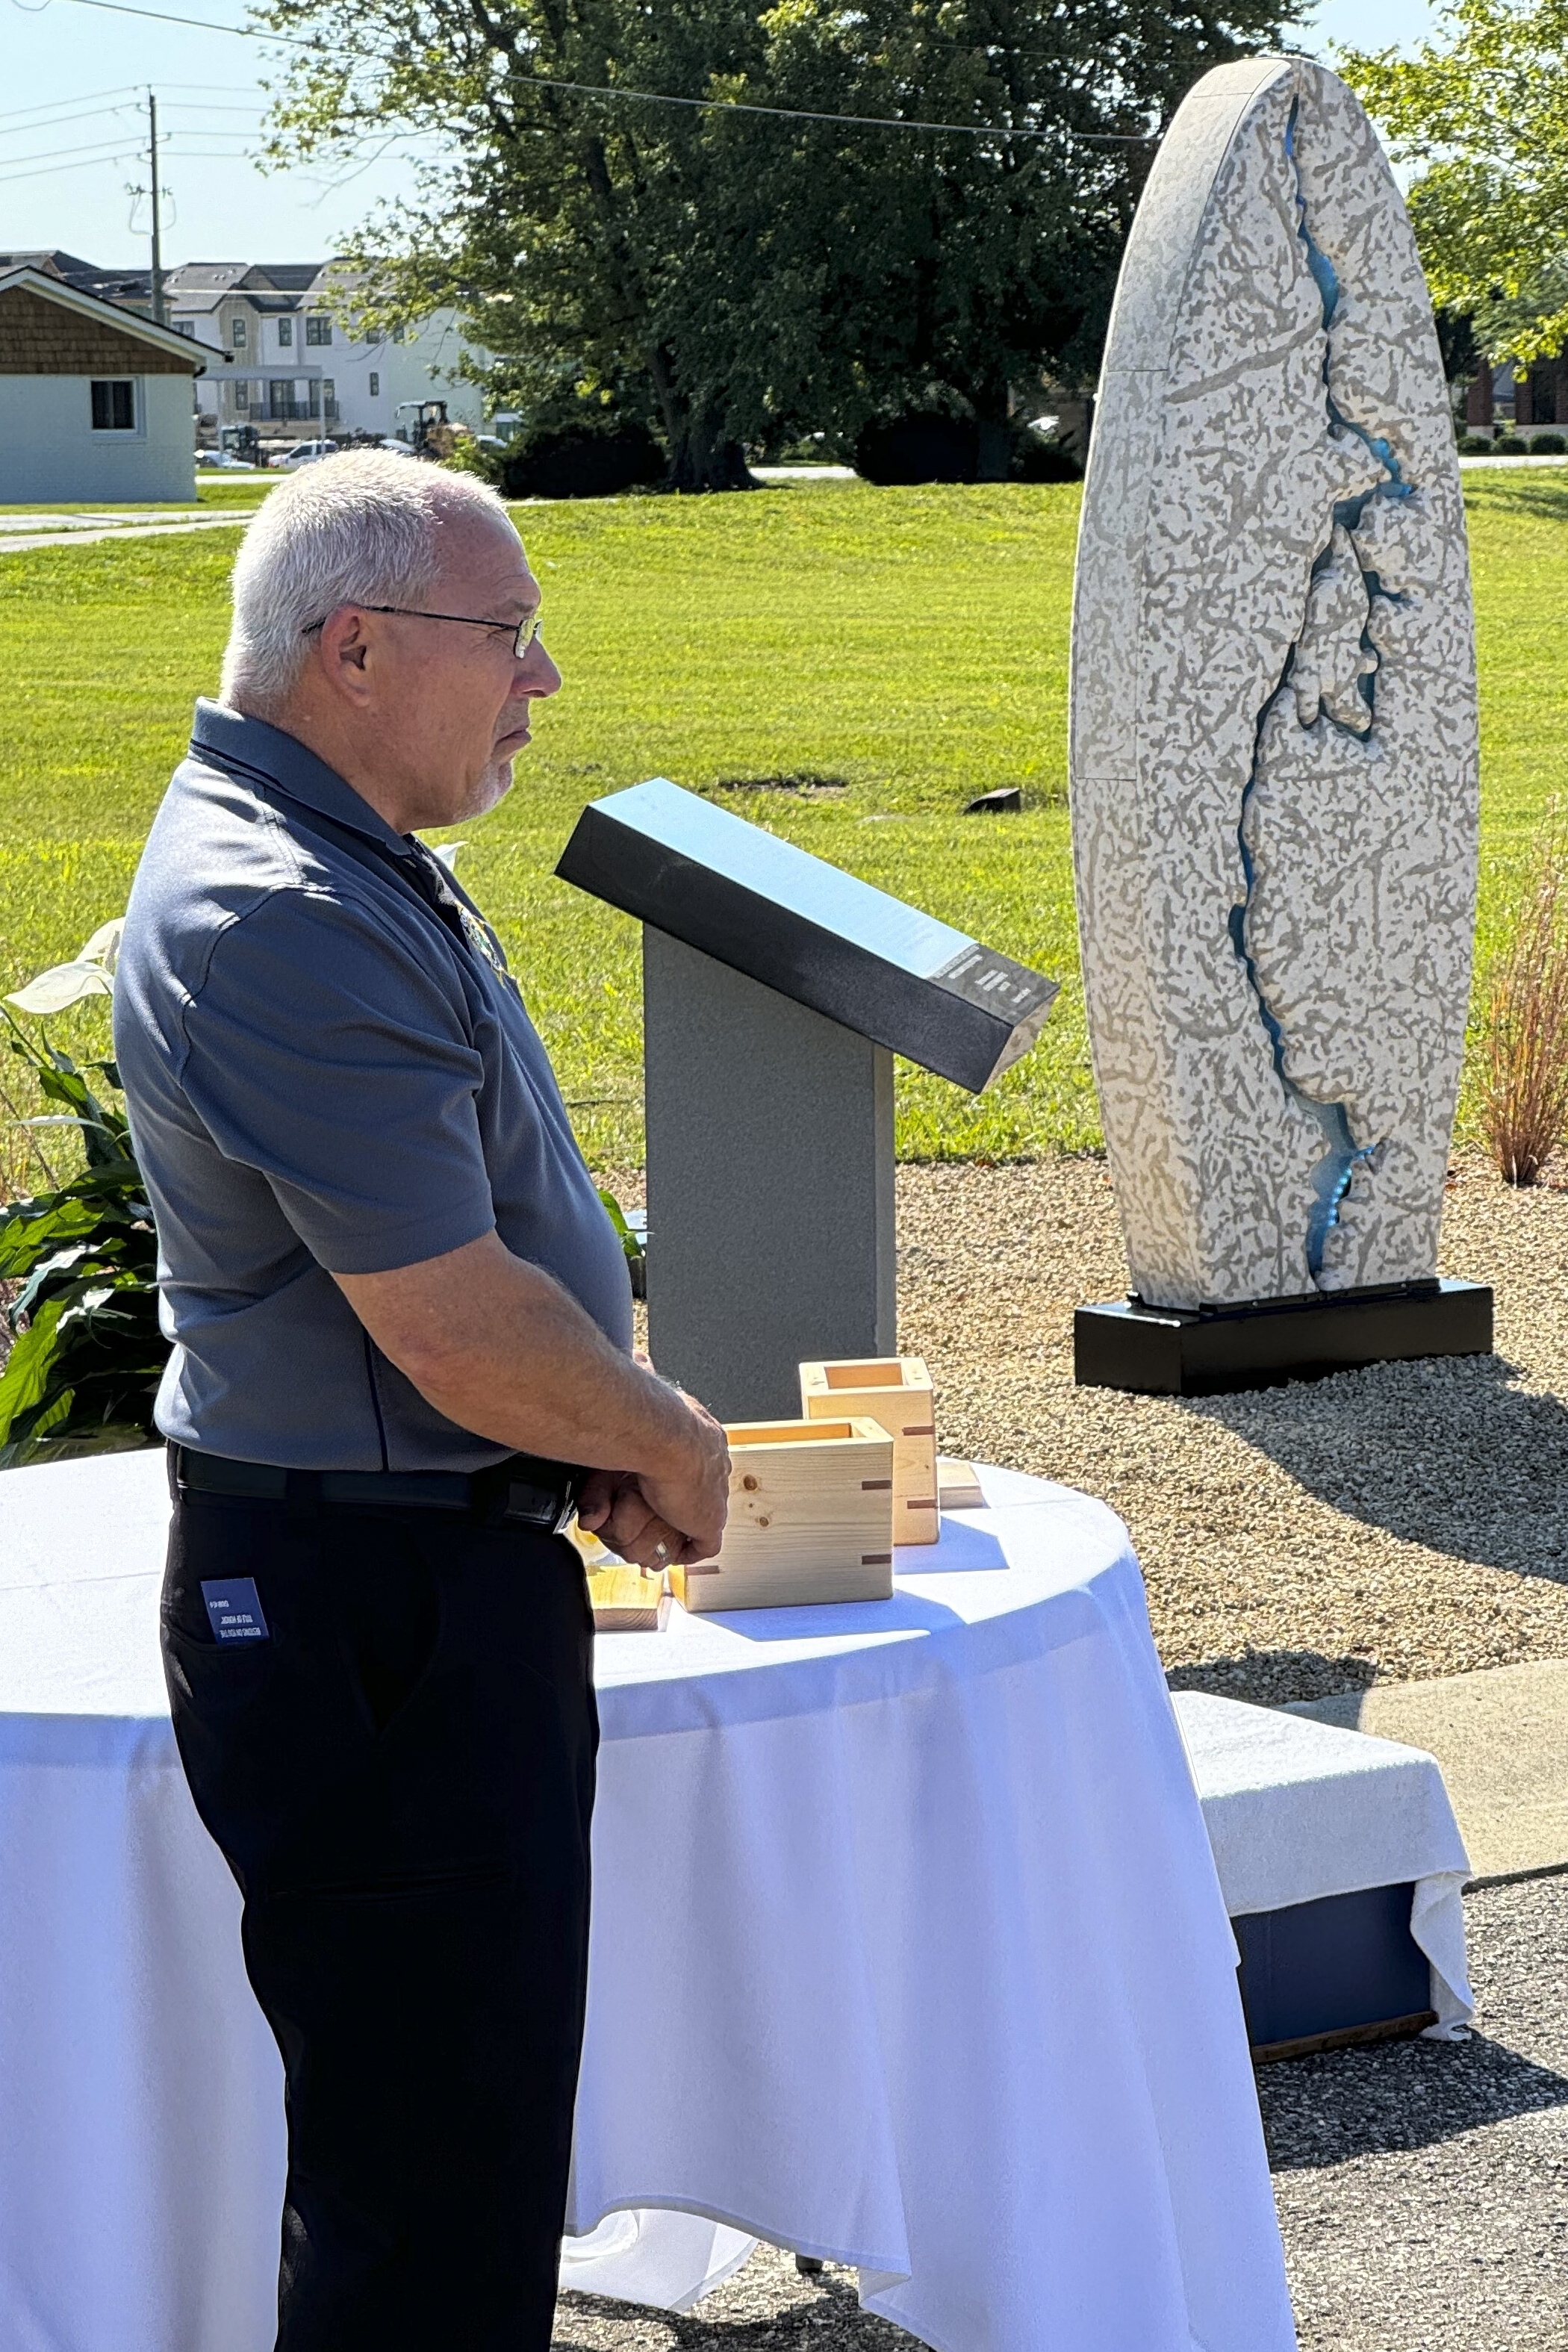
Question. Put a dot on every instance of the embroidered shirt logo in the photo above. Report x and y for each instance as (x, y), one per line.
(479, 938)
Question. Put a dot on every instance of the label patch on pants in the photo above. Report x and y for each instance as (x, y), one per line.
(233, 1609)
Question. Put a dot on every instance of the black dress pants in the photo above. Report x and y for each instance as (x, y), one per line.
(401, 1777)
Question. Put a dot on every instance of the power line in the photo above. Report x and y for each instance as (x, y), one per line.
(58, 105)
(662, 97)
(109, 152)
(97, 113)
(62, 155)
(43, 170)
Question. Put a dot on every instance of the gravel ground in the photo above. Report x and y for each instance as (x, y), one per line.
(1393, 1524)
(1422, 2186)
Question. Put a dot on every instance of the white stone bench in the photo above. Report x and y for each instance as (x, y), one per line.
(1342, 1868)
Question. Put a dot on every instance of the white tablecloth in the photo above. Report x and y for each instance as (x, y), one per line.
(908, 1951)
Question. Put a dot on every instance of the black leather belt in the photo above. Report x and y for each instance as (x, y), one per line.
(520, 1491)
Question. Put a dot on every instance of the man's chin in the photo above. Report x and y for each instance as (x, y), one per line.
(491, 789)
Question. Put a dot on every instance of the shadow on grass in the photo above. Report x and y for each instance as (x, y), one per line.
(1450, 1452)
(1397, 2096)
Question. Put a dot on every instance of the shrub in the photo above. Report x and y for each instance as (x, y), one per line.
(1509, 444)
(468, 455)
(1524, 1087)
(582, 460)
(1474, 444)
(1548, 444)
(1046, 461)
(922, 447)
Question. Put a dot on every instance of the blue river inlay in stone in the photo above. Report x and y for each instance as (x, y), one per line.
(1333, 1173)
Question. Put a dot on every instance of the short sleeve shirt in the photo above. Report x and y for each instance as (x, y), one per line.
(326, 1074)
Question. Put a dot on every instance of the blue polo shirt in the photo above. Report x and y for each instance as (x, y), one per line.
(326, 1072)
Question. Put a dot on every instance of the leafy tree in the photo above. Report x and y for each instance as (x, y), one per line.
(732, 275)
(1485, 110)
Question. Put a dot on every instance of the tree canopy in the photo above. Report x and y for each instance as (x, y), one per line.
(1484, 110)
(741, 276)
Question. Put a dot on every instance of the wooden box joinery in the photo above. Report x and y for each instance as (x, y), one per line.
(896, 1391)
(811, 1517)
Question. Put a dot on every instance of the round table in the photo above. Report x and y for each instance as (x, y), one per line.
(908, 1951)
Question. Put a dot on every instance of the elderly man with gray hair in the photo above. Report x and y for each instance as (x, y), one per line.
(401, 1329)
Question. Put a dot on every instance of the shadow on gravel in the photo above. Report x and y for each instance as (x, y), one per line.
(1261, 1675)
(1449, 1452)
(1400, 2095)
(827, 2313)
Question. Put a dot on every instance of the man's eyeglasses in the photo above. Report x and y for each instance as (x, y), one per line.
(523, 632)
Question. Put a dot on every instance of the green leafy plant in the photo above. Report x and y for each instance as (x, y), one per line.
(87, 1354)
(632, 1243)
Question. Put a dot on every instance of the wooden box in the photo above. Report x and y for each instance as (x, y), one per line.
(811, 1517)
(896, 1391)
(958, 1486)
(624, 1600)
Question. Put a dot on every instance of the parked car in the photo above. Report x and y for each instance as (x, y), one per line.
(306, 453)
(226, 459)
(398, 448)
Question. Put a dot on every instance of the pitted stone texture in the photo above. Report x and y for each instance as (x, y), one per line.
(1228, 626)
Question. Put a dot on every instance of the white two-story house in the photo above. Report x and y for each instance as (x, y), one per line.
(284, 360)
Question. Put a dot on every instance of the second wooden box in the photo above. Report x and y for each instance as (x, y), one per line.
(896, 1391)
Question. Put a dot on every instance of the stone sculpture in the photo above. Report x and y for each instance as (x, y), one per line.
(1274, 745)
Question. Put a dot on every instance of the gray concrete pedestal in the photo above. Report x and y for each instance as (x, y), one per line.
(770, 1185)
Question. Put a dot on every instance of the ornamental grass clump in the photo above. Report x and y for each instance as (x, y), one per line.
(1524, 1087)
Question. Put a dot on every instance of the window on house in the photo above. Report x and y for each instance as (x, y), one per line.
(237, 334)
(185, 327)
(374, 385)
(397, 334)
(113, 405)
(318, 330)
(242, 395)
(285, 332)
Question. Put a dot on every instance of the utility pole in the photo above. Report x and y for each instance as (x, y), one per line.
(157, 226)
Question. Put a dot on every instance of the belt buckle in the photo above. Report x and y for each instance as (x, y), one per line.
(509, 1496)
(533, 1506)
(522, 1502)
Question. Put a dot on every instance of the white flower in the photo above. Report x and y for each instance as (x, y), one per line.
(90, 972)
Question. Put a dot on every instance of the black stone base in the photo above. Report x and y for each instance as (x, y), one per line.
(1209, 1351)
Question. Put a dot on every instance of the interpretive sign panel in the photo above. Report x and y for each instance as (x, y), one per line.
(809, 929)
(776, 990)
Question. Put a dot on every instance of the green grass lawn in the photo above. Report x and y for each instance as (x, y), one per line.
(847, 666)
(241, 492)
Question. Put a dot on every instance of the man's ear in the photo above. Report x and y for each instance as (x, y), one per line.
(342, 648)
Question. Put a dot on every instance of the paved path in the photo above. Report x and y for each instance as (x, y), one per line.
(12, 542)
(1502, 1737)
(787, 474)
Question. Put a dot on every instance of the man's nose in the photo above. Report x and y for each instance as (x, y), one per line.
(536, 673)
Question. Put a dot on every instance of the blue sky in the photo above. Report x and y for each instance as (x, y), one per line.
(72, 132)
